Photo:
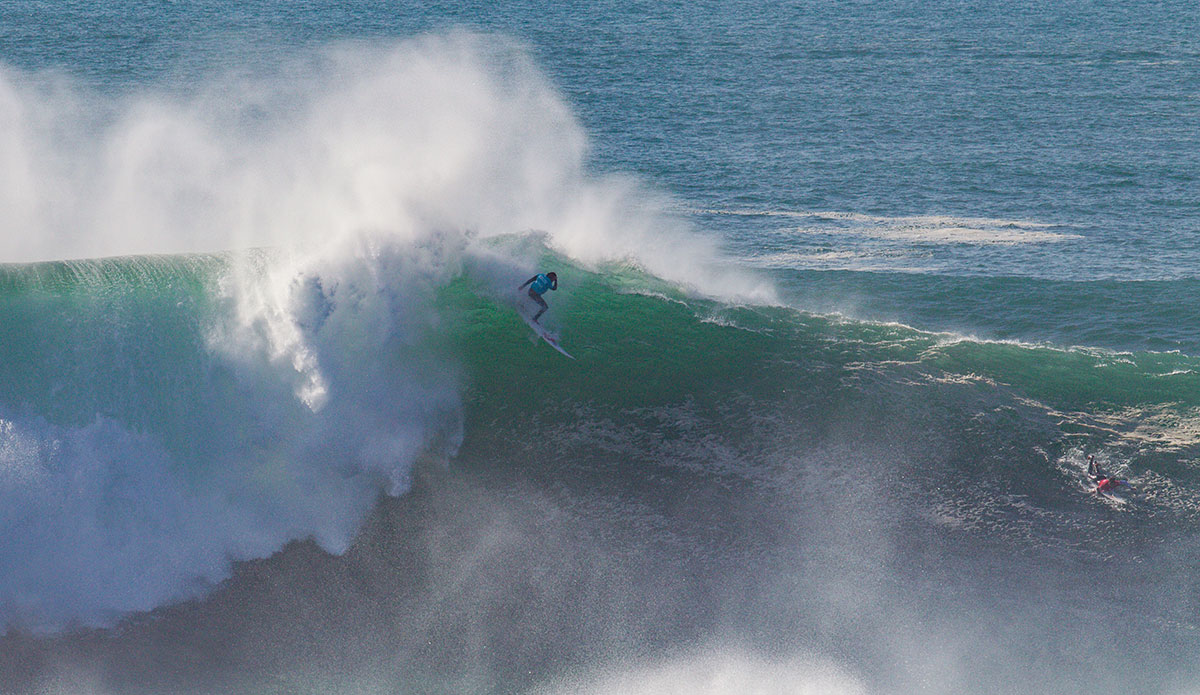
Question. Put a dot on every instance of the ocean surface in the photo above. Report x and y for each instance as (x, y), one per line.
(853, 290)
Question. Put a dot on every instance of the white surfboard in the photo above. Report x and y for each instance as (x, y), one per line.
(550, 338)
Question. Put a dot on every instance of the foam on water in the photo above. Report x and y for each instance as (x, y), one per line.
(934, 229)
(717, 671)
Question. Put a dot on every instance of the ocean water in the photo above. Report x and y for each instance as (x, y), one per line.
(853, 290)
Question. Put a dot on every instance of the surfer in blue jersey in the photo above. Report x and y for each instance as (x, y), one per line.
(538, 285)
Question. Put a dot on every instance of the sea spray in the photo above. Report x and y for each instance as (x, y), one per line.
(163, 457)
(282, 359)
(445, 132)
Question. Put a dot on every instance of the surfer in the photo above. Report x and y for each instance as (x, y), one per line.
(1104, 482)
(538, 285)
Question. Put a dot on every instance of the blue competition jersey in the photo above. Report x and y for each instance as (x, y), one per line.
(540, 285)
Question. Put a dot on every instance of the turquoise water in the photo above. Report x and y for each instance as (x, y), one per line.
(853, 290)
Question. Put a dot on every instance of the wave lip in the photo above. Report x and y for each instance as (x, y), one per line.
(455, 131)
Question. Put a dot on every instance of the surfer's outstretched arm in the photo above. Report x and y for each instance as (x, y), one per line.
(529, 282)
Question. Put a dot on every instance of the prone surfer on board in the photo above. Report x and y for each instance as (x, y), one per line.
(538, 285)
(1104, 482)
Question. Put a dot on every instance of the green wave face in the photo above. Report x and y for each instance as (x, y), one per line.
(121, 337)
(640, 345)
(130, 339)
(808, 448)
